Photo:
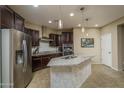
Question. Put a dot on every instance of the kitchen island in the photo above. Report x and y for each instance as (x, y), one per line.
(69, 71)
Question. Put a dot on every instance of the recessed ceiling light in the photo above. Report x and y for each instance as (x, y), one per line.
(96, 25)
(71, 14)
(35, 5)
(87, 34)
(83, 29)
(79, 25)
(50, 21)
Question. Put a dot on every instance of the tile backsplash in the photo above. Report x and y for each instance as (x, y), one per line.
(44, 46)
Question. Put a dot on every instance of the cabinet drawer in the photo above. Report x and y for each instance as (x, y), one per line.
(38, 58)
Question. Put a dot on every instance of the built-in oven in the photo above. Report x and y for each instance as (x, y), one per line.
(67, 49)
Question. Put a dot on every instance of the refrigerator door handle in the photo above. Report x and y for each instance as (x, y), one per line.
(25, 55)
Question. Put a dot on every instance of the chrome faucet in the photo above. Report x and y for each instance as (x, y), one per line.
(36, 50)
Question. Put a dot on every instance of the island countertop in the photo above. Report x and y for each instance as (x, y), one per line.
(65, 61)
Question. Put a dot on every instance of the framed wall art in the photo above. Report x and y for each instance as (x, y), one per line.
(87, 42)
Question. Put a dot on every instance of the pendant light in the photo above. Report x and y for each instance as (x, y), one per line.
(82, 29)
(87, 25)
(60, 23)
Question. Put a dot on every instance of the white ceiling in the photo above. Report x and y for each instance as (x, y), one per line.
(97, 14)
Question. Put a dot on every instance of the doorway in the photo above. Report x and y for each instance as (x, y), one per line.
(106, 49)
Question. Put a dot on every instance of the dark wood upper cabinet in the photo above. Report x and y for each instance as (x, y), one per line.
(18, 22)
(35, 38)
(59, 40)
(10, 19)
(67, 37)
(34, 35)
(7, 17)
(53, 37)
(56, 40)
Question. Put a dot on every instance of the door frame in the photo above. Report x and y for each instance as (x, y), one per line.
(111, 51)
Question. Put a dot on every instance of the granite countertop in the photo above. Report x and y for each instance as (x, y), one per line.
(64, 61)
(46, 53)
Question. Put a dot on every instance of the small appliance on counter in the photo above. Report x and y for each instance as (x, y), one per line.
(67, 49)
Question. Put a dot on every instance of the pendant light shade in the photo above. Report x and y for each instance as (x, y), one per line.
(60, 17)
(83, 29)
(60, 24)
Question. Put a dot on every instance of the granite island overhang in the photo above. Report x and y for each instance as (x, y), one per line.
(69, 71)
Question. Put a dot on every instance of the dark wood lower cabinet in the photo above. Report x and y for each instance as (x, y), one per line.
(45, 60)
(40, 62)
(36, 63)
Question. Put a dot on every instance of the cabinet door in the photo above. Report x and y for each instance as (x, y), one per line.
(7, 19)
(56, 40)
(36, 63)
(71, 37)
(59, 40)
(67, 37)
(53, 37)
(34, 35)
(64, 37)
(45, 60)
(27, 31)
(35, 38)
(18, 22)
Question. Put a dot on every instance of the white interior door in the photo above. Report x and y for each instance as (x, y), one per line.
(106, 49)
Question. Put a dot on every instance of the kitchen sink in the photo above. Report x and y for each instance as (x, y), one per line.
(69, 57)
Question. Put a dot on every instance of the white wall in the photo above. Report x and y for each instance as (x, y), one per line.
(93, 33)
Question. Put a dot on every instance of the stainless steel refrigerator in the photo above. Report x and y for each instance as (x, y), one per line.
(16, 58)
(0, 62)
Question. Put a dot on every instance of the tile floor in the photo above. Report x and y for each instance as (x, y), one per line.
(41, 79)
(101, 77)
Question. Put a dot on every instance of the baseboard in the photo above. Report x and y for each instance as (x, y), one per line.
(111, 67)
(114, 69)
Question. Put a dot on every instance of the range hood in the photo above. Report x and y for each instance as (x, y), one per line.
(44, 38)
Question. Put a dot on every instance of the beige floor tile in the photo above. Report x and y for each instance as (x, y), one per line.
(101, 77)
